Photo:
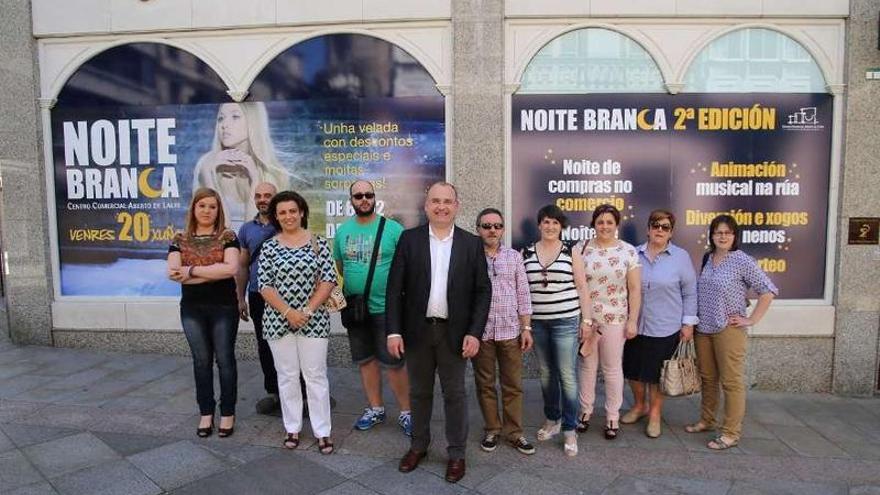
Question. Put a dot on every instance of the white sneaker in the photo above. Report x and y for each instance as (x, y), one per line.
(549, 430)
(570, 447)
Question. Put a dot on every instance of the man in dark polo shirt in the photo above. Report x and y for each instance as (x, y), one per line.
(251, 235)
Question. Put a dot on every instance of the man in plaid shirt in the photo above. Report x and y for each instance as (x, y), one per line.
(507, 335)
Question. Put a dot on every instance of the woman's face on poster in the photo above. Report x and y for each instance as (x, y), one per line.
(231, 125)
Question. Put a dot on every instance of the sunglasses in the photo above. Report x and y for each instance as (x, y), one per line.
(489, 226)
(665, 227)
(360, 196)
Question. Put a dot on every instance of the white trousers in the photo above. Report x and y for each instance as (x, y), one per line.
(293, 354)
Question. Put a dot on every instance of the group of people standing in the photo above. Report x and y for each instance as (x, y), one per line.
(438, 296)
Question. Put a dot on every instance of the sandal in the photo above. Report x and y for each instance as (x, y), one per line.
(206, 431)
(583, 424)
(325, 446)
(721, 443)
(291, 442)
(697, 427)
(226, 432)
(549, 430)
(611, 431)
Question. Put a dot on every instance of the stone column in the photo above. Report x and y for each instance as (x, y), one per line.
(857, 295)
(23, 218)
(476, 157)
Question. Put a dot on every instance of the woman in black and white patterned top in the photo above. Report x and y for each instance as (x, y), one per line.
(560, 305)
(296, 275)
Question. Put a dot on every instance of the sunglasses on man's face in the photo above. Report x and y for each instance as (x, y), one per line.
(360, 196)
(489, 226)
(665, 227)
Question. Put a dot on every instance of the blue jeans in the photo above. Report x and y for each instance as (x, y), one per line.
(557, 344)
(211, 330)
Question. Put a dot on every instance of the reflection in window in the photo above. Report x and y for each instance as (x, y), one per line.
(142, 74)
(754, 61)
(592, 60)
(342, 66)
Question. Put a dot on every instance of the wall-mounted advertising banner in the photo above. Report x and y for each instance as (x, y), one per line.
(124, 176)
(763, 158)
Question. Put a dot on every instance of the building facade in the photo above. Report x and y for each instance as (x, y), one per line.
(107, 100)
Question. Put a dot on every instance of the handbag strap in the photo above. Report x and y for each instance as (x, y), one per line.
(373, 258)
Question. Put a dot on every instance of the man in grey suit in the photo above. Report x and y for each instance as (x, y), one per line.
(437, 303)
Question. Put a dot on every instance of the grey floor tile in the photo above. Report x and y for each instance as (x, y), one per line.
(865, 490)
(5, 443)
(231, 482)
(177, 464)
(11, 387)
(775, 487)
(806, 442)
(129, 444)
(24, 435)
(762, 446)
(99, 392)
(349, 466)
(69, 454)
(16, 471)
(113, 478)
(349, 488)
(42, 488)
(11, 410)
(61, 416)
(235, 452)
(387, 479)
(286, 469)
(657, 485)
(524, 483)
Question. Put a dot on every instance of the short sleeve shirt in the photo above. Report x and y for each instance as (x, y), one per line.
(206, 250)
(252, 235)
(606, 279)
(294, 273)
(353, 246)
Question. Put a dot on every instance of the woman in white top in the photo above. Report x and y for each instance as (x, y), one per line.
(613, 275)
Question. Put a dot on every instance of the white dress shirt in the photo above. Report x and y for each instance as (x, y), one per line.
(441, 251)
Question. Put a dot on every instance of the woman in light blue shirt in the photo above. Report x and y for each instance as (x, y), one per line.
(668, 314)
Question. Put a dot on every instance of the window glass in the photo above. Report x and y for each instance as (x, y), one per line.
(592, 60)
(754, 61)
(142, 74)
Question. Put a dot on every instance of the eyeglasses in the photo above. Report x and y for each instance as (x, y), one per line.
(494, 273)
(360, 196)
(489, 226)
(546, 281)
(665, 227)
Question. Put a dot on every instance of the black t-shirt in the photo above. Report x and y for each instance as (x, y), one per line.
(205, 250)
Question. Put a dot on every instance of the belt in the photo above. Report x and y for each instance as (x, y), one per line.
(433, 320)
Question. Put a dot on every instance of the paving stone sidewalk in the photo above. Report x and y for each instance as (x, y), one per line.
(88, 422)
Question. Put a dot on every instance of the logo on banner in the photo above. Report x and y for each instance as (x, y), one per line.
(805, 119)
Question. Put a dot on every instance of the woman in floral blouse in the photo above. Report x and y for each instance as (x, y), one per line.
(614, 282)
(296, 275)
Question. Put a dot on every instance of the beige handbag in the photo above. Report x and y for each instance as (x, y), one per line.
(679, 375)
(336, 302)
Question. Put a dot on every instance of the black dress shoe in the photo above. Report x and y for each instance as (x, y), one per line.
(226, 432)
(411, 461)
(454, 470)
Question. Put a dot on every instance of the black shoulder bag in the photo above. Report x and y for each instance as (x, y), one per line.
(356, 310)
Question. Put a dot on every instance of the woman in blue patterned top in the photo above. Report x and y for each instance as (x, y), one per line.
(296, 275)
(727, 276)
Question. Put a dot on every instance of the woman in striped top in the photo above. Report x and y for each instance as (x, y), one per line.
(557, 283)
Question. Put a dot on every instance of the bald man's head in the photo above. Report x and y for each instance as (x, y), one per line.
(263, 193)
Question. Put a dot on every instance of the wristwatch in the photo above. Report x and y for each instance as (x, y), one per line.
(308, 312)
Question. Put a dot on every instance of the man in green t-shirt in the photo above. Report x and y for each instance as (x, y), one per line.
(353, 249)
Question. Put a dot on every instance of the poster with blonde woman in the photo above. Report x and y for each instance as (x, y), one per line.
(242, 155)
